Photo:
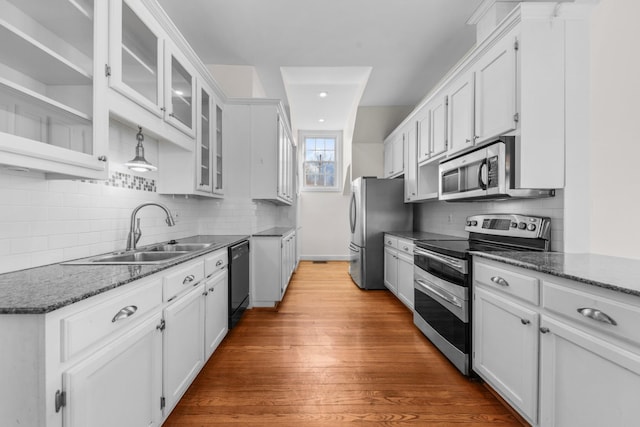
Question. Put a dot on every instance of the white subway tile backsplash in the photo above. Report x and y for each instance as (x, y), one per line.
(29, 244)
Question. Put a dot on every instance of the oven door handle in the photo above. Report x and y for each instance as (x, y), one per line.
(450, 262)
(439, 292)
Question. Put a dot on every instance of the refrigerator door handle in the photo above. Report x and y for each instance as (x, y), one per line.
(353, 247)
(352, 213)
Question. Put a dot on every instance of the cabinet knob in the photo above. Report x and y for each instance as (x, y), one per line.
(102, 158)
(205, 293)
(545, 330)
(212, 289)
(525, 321)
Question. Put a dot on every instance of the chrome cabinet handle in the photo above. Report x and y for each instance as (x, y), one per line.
(219, 263)
(406, 248)
(499, 281)
(525, 321)
(595, 314)
(125, 312)
(544, 330)
(190, 278)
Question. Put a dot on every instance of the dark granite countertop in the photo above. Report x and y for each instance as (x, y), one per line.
(274, 232)
(50, 287)
(423, 235)
(615, 273)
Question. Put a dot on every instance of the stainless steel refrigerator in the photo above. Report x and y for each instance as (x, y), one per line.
(377, 205)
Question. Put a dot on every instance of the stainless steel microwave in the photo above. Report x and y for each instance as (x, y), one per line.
(486, 172)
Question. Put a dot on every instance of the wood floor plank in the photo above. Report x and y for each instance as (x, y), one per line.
(332, 354)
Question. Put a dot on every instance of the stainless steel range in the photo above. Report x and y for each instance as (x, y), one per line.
(442, 276)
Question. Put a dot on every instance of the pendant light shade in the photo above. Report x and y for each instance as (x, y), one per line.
(139, 163)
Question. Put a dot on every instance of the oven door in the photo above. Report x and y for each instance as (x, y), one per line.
(441, 312)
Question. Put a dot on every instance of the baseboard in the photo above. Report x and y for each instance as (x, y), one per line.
(324, 257)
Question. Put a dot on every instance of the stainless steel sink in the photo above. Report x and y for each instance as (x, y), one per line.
(142, 257)
(157, 254)
(180, 247)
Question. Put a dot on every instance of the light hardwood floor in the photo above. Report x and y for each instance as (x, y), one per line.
(333, 354)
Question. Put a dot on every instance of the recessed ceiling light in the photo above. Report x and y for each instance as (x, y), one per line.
(323, 94)
(321, 120)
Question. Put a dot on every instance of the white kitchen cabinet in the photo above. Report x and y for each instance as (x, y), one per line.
(216, 291)
(398, 268)
(505, 349)
(153, 84)
(432, 129)
(262, 161)
(585, 349)
(391, 269)
(183, 355)
(180, 90)
(394, 147)
(47, 117)
(273, 261)
(495, 90)
(411, 163)
(198, 172)
(586, 381)
(119, 385)
(460, 113)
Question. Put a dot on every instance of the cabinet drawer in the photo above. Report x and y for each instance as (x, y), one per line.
(182, 278)
(593, 311)
(91, 325)
(390, 241)
(509, 282)
(405, 246)
(215, 261)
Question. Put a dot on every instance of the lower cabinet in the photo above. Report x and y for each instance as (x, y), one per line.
(119, 385)
(586, 381)
(398, 268)
(121, 358)
(216, 317)
(505, 353)
(560, 352)
(183, 346)
(273, 260)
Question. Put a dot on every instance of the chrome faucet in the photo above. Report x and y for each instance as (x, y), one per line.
(134, 226)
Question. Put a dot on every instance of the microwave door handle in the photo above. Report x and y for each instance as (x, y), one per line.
(481, 183)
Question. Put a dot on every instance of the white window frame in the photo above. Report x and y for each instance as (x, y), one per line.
(302, 138)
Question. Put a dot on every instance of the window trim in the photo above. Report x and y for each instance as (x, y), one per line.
(302, 137)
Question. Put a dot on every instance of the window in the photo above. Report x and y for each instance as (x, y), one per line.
(320, 165)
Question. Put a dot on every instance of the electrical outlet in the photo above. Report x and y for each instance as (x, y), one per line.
(176, 216)
(450, 218)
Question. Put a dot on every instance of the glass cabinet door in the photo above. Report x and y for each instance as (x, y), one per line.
(136, 57)
(204, 139)
(46, 87)
(219, 188)
(180, 92)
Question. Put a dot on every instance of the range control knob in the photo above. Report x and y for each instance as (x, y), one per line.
(474, 223)
(468, 223)
(522, 225)
(514, 224)
(531, 227)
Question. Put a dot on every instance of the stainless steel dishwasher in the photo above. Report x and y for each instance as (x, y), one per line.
(238, 281)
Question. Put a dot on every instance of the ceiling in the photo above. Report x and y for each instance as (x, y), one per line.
(399, 49)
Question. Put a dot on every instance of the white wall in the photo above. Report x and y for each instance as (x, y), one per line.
(614, 135)
(238, 81)
(324, 226)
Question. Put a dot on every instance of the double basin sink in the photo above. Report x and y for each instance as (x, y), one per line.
(148, 255)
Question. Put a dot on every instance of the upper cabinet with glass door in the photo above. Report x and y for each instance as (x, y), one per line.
(46, 88)
(145, 67)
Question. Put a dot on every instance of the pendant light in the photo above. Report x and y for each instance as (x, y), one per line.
(139, 163)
